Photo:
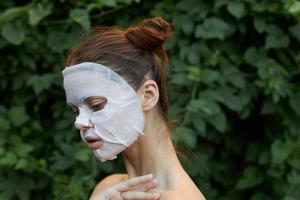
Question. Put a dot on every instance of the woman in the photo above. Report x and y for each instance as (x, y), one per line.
(116, 82)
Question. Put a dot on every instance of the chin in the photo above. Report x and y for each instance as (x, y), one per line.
(103, 156)
(108, 151)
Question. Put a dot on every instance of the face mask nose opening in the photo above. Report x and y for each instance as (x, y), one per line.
(83, 122)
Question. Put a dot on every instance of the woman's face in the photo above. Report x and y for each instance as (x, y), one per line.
(109, 113)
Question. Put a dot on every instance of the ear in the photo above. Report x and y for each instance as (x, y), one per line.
(149, 95)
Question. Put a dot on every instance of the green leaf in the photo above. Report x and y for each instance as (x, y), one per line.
(261, 7)
(294, 102)
(277, 41)
(24, 183)
(219, 122)
(186, 135)
(22, 164)
(67, 149)
(294, 178)
(251, 177)
(18, 116)
(295, 31)
(2, 151)
(264, 158)
(13, 32)
(194, 74)
(211, 94)
(11, 13)
(251, 56)
(41, 82)
(294, 8)
(237, 9)
(212, 28)
(199, 124)
(208, 107)
(276, 38)
(279, 152)
(259, 24)
(81, 16)
(209, 76)
(23, 150)
(179, 78)
(94, 5)
(109, 3)
(59, 41)
(232, 75)
(220, 3)
(83, 154)
(8, 159)
(192, 7)
(62, 162)
(193, 57)
(4, 124)
(188, 27)
(230, 99)
(38, 12)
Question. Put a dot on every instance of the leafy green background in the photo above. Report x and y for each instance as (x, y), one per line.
(234, 94)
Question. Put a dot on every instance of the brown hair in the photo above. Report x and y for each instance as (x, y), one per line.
(132, 53)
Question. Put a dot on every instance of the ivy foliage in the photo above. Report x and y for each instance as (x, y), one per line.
(233, 86)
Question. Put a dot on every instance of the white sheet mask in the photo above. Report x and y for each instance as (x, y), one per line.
(121, 120)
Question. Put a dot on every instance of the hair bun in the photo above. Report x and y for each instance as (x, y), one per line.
(150, 34)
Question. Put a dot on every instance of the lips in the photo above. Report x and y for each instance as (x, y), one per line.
(93, 143)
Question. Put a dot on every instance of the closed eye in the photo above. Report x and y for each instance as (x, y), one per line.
(97, 107)
(95, 103)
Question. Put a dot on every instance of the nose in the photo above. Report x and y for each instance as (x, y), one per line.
(84, 126)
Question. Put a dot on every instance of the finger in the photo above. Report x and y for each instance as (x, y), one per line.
(151, 185)
(140, 195)
(146, 186)
(114, 197)
(130, 183)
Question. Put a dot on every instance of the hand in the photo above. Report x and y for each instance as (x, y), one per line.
(133, 188)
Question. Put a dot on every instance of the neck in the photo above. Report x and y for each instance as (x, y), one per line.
(153, 153)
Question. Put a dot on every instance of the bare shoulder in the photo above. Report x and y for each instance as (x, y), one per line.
(108, 181)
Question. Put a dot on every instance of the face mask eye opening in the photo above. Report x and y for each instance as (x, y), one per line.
(95, 103)
(97, 107)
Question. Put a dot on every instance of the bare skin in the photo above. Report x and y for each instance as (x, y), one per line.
(133, 188)
(154, 153)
